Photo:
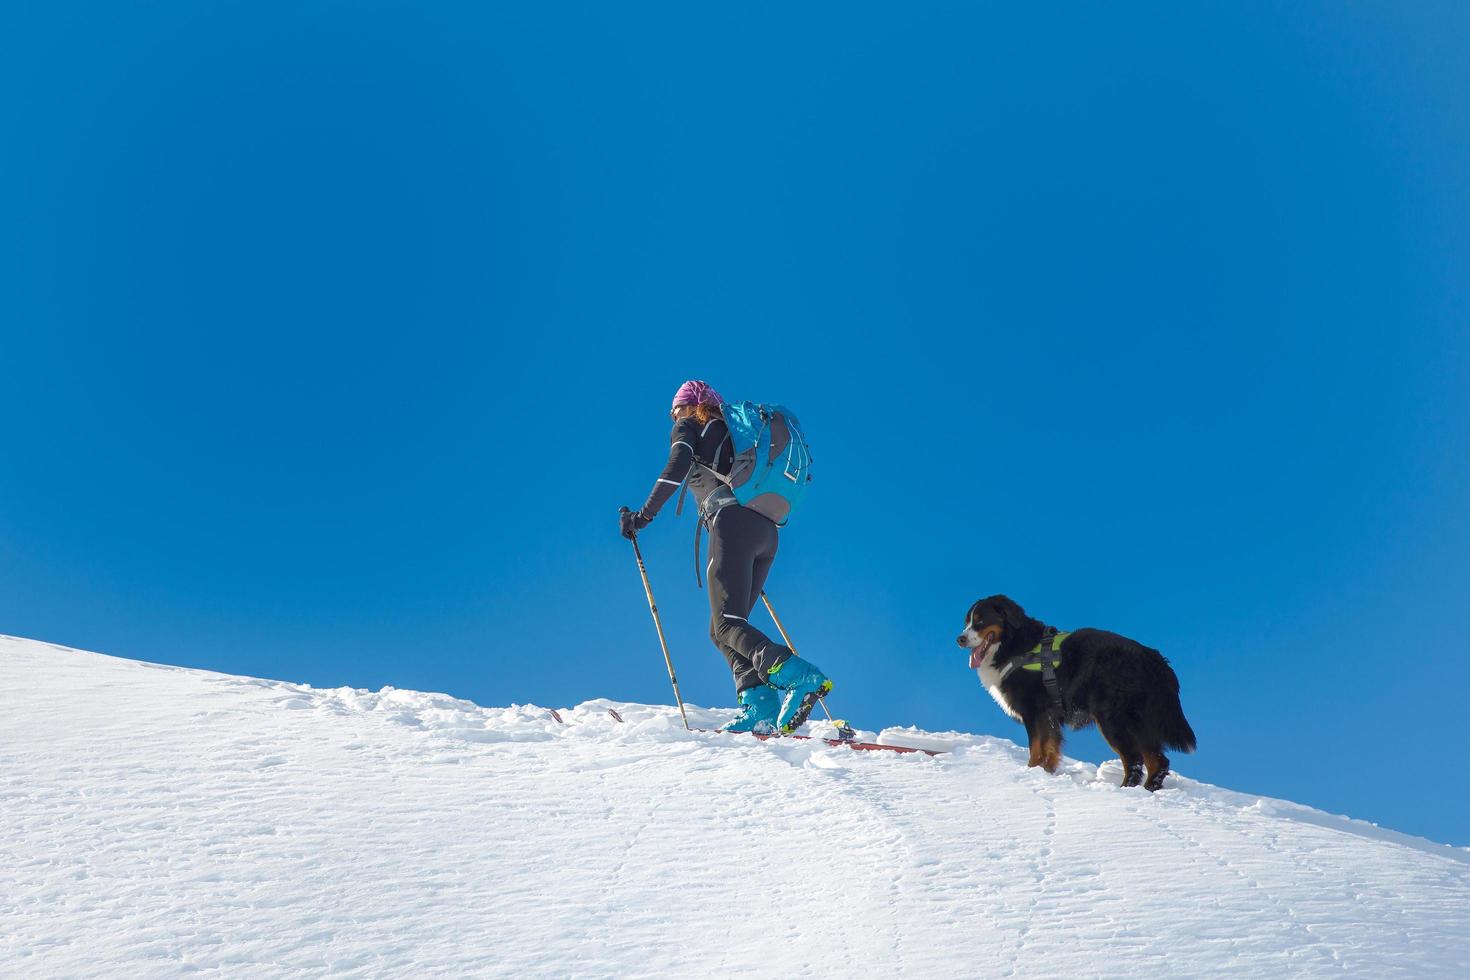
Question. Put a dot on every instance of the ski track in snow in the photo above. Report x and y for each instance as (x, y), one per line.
(157, 821)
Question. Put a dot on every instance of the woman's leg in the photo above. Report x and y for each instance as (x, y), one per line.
(758, 573)
(742, 546)
(722, 568)
(744, 672)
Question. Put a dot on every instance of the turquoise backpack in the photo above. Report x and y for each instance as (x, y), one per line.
(773, 463)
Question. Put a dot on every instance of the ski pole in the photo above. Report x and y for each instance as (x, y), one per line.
(789, 645)
(658, 625)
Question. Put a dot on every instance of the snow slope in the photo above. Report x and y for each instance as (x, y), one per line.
(156, 820)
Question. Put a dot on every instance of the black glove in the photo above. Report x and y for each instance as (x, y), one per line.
(630, 522)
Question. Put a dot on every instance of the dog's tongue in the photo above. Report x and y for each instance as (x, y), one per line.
(977, 654)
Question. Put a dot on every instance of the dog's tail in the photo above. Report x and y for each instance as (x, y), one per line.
(1165, 713)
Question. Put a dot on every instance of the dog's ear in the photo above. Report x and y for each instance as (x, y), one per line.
(1014, 615)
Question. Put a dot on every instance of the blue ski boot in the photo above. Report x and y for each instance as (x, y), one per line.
(758, 708)
(803, 684)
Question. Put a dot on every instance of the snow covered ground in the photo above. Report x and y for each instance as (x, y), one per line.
(156, 820)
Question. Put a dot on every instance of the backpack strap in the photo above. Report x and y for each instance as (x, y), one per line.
(699, 521)
(698, 527)
(694, 461)
(683, 489)
(715, 473)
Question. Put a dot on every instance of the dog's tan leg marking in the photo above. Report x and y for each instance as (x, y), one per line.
(1051, 751)
(1036, 752)
(1116, 751)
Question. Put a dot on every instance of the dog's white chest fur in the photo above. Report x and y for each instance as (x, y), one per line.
(990, 677)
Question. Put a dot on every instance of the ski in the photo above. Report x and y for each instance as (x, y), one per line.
(845, 731)
(855, 746)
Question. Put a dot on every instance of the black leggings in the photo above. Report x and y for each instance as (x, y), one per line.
(742, 546)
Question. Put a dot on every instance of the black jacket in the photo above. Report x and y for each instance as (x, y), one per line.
(689, 441)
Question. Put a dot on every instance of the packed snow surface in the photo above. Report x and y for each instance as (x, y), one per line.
(156, 820)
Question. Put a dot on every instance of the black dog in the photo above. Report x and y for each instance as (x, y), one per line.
(1128, 689)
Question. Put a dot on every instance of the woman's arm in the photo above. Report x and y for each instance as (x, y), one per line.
(681, 457)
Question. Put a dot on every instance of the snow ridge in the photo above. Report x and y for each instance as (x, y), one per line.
(156, 820)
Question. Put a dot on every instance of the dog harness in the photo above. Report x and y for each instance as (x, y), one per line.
(1044, 658)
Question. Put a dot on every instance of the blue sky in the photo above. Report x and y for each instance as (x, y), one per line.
(334, 335)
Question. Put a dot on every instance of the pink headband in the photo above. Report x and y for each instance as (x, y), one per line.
(696, 393)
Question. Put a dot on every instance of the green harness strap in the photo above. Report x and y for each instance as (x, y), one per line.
(1036, 660)
(1033, 657)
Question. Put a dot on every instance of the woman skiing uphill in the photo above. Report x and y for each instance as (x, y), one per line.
(776, 689)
